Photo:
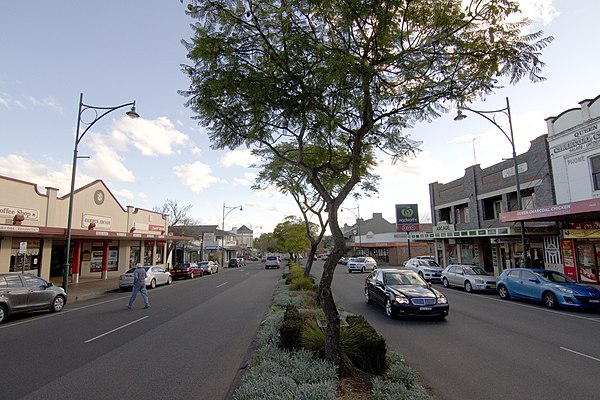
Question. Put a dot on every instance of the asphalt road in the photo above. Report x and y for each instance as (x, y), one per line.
(488, 348)
(190, 344)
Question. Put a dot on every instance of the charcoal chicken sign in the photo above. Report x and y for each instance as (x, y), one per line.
(407, 217)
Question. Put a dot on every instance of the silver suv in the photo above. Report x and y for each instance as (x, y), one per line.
(24, 292)
(272, 262)
(426, 268)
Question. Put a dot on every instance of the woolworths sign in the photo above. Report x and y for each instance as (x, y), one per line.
(407, 217)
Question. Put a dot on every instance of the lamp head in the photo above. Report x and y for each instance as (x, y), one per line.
(131, 113)
(459, 115)
(241, 209)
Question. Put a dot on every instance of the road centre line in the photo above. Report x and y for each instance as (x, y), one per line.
(114, 330)
(222, 284)
(580, 354)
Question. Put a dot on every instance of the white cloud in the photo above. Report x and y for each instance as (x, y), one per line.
(247, 180)
(25, 169)
(48, 102)
(539, 10)
(151, 137)
(240, 158)
(196, 176)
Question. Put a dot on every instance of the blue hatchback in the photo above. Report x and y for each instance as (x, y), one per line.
(550, 287)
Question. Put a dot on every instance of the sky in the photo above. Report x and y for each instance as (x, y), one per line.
(116, 52)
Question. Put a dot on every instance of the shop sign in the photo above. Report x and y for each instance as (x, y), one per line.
(443, 228)
(582, 139)
(27, 213)
(407, 217)
(581, 233)
(156, 228)
(14, 228)
(568, 251)
(508, 172)
(101, 222)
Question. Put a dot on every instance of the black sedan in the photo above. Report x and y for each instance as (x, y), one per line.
(404, 293)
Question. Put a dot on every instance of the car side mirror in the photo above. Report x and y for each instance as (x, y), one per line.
(49, 284)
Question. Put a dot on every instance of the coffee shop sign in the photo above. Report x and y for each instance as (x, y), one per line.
(6, 211)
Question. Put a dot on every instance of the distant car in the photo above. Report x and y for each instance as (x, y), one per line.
(469, 277)
(403, 292)
(187, 270)
(550, 287)
(233, 263)
(361, 264)
(252, 258)
(343, 261)
(24, 292)
(155, 276)
(272, 262)
(241, 262)
(324, 257)
(209, 267)
(427, 268)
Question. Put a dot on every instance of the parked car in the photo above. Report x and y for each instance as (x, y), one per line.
(209, 267)
(427, 268)
(550, 287)
(361, 264)
(272, 262)
(469, 277)
(24, 292)
(324, 257)
(404, 293)
(343, 261)
(233, 263)
(187, 270)
(155, 276)
(241, 262)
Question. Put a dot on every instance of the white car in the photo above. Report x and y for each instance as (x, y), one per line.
(361, 264)
(469, 277)
(154, 276)
(427, 268)
(272, 262)
(209, 267)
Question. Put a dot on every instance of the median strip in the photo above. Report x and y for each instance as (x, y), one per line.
(114, 330)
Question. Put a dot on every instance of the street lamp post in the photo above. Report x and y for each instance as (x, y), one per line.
(357, 215)
(223, 239)
(99, 113)
(506, 111)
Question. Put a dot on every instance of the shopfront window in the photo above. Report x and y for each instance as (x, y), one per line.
(25, 255)
(586, 262)
(595, 166)
(148, 252)
(134, 255)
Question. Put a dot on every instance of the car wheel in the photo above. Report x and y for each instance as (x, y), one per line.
(152, 283)
(550, 300)
(191, 275)
(57, 304)
(367, 297)
(468, 287)
(503, 292)
(445, 282)
(362, 270)
(2, 313)
(389, 311)
(169, 280)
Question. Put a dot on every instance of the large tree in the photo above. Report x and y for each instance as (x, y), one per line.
(346, 77)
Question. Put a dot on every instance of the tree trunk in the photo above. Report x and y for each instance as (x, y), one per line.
(311, 258)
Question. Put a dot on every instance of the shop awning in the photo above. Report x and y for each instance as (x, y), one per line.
(577, 211)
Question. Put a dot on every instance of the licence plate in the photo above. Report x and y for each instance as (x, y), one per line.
(425, 308)
(594, 301)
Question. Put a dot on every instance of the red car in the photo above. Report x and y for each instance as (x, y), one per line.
(187, 270)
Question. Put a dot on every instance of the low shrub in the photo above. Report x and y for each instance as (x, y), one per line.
(303, 283)
(360, 345)
(371, 349)
(291, 329)
(398, 383)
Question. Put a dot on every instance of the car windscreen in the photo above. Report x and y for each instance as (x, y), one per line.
(553, 276)
(272, 258)
(402, 279)
(131, 271)
(475, 271)
(205, 263)
(428, 263)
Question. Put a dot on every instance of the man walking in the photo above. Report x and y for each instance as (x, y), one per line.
(139, 285)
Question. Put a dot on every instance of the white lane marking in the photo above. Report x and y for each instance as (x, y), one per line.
(114, 330)
(581, 354)
(222, 284)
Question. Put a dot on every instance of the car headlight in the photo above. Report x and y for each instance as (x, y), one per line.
(566, 290)
(441, 299)
(401, 299)
(479, 281)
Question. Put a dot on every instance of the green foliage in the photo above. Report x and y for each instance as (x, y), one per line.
(370, 355)
(360, 345)
(291, 329)
(398, 383)
(303, 283)
(290, 235)
(295, 272)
